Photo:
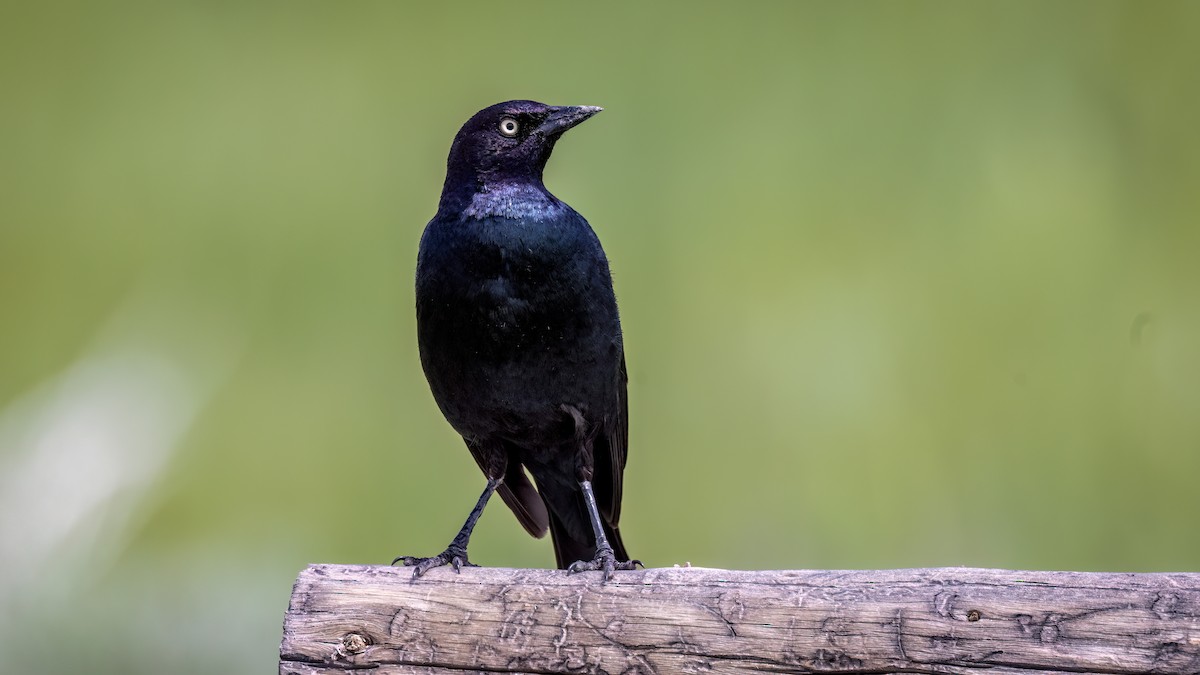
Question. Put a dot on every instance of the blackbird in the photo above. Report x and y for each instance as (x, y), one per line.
(520, 340)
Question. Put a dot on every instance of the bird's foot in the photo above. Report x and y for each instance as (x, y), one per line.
(604, 561)
(453, 556)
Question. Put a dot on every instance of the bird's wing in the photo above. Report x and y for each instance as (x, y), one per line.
(518, 492)
(609, 475)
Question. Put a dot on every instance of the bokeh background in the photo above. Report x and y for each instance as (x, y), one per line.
(903, 285)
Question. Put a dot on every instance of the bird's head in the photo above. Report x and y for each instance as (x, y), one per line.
(509, 142)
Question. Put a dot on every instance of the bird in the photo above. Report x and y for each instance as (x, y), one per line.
(521, 343)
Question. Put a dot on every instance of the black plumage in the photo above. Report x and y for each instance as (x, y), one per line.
(520, 339)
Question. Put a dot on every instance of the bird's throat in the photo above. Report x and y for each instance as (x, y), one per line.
(518, 201)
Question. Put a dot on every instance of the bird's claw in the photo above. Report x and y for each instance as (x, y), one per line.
(455, 558)
(605, 562)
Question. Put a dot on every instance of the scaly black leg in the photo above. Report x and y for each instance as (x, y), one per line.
(455, 554)
(605, 559)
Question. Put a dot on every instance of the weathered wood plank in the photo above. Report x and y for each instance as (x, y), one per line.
(695, 620)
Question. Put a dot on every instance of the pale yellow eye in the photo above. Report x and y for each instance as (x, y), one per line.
(509, 127)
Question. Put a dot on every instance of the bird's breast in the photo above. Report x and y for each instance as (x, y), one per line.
(515, 319)
(512, 283)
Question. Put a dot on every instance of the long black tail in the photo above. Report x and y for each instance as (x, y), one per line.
(568, 549)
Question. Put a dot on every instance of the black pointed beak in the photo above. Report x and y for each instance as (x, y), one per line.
(564, 117)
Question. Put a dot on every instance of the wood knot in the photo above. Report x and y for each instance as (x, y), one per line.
(350, 645)
(973, 615)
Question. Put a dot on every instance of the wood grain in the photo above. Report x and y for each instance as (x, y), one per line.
(696, 620)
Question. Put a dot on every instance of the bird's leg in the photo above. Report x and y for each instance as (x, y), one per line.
(455, 554)
(605, 560)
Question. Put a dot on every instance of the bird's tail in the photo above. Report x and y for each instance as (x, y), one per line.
(567, 549)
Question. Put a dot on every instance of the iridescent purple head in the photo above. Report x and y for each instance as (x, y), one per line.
(506, 143)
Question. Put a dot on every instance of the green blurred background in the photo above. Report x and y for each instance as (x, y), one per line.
(903, 285)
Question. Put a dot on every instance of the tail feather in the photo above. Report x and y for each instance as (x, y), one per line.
(524, 500)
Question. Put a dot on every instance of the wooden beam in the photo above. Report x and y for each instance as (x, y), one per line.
(695, 620)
